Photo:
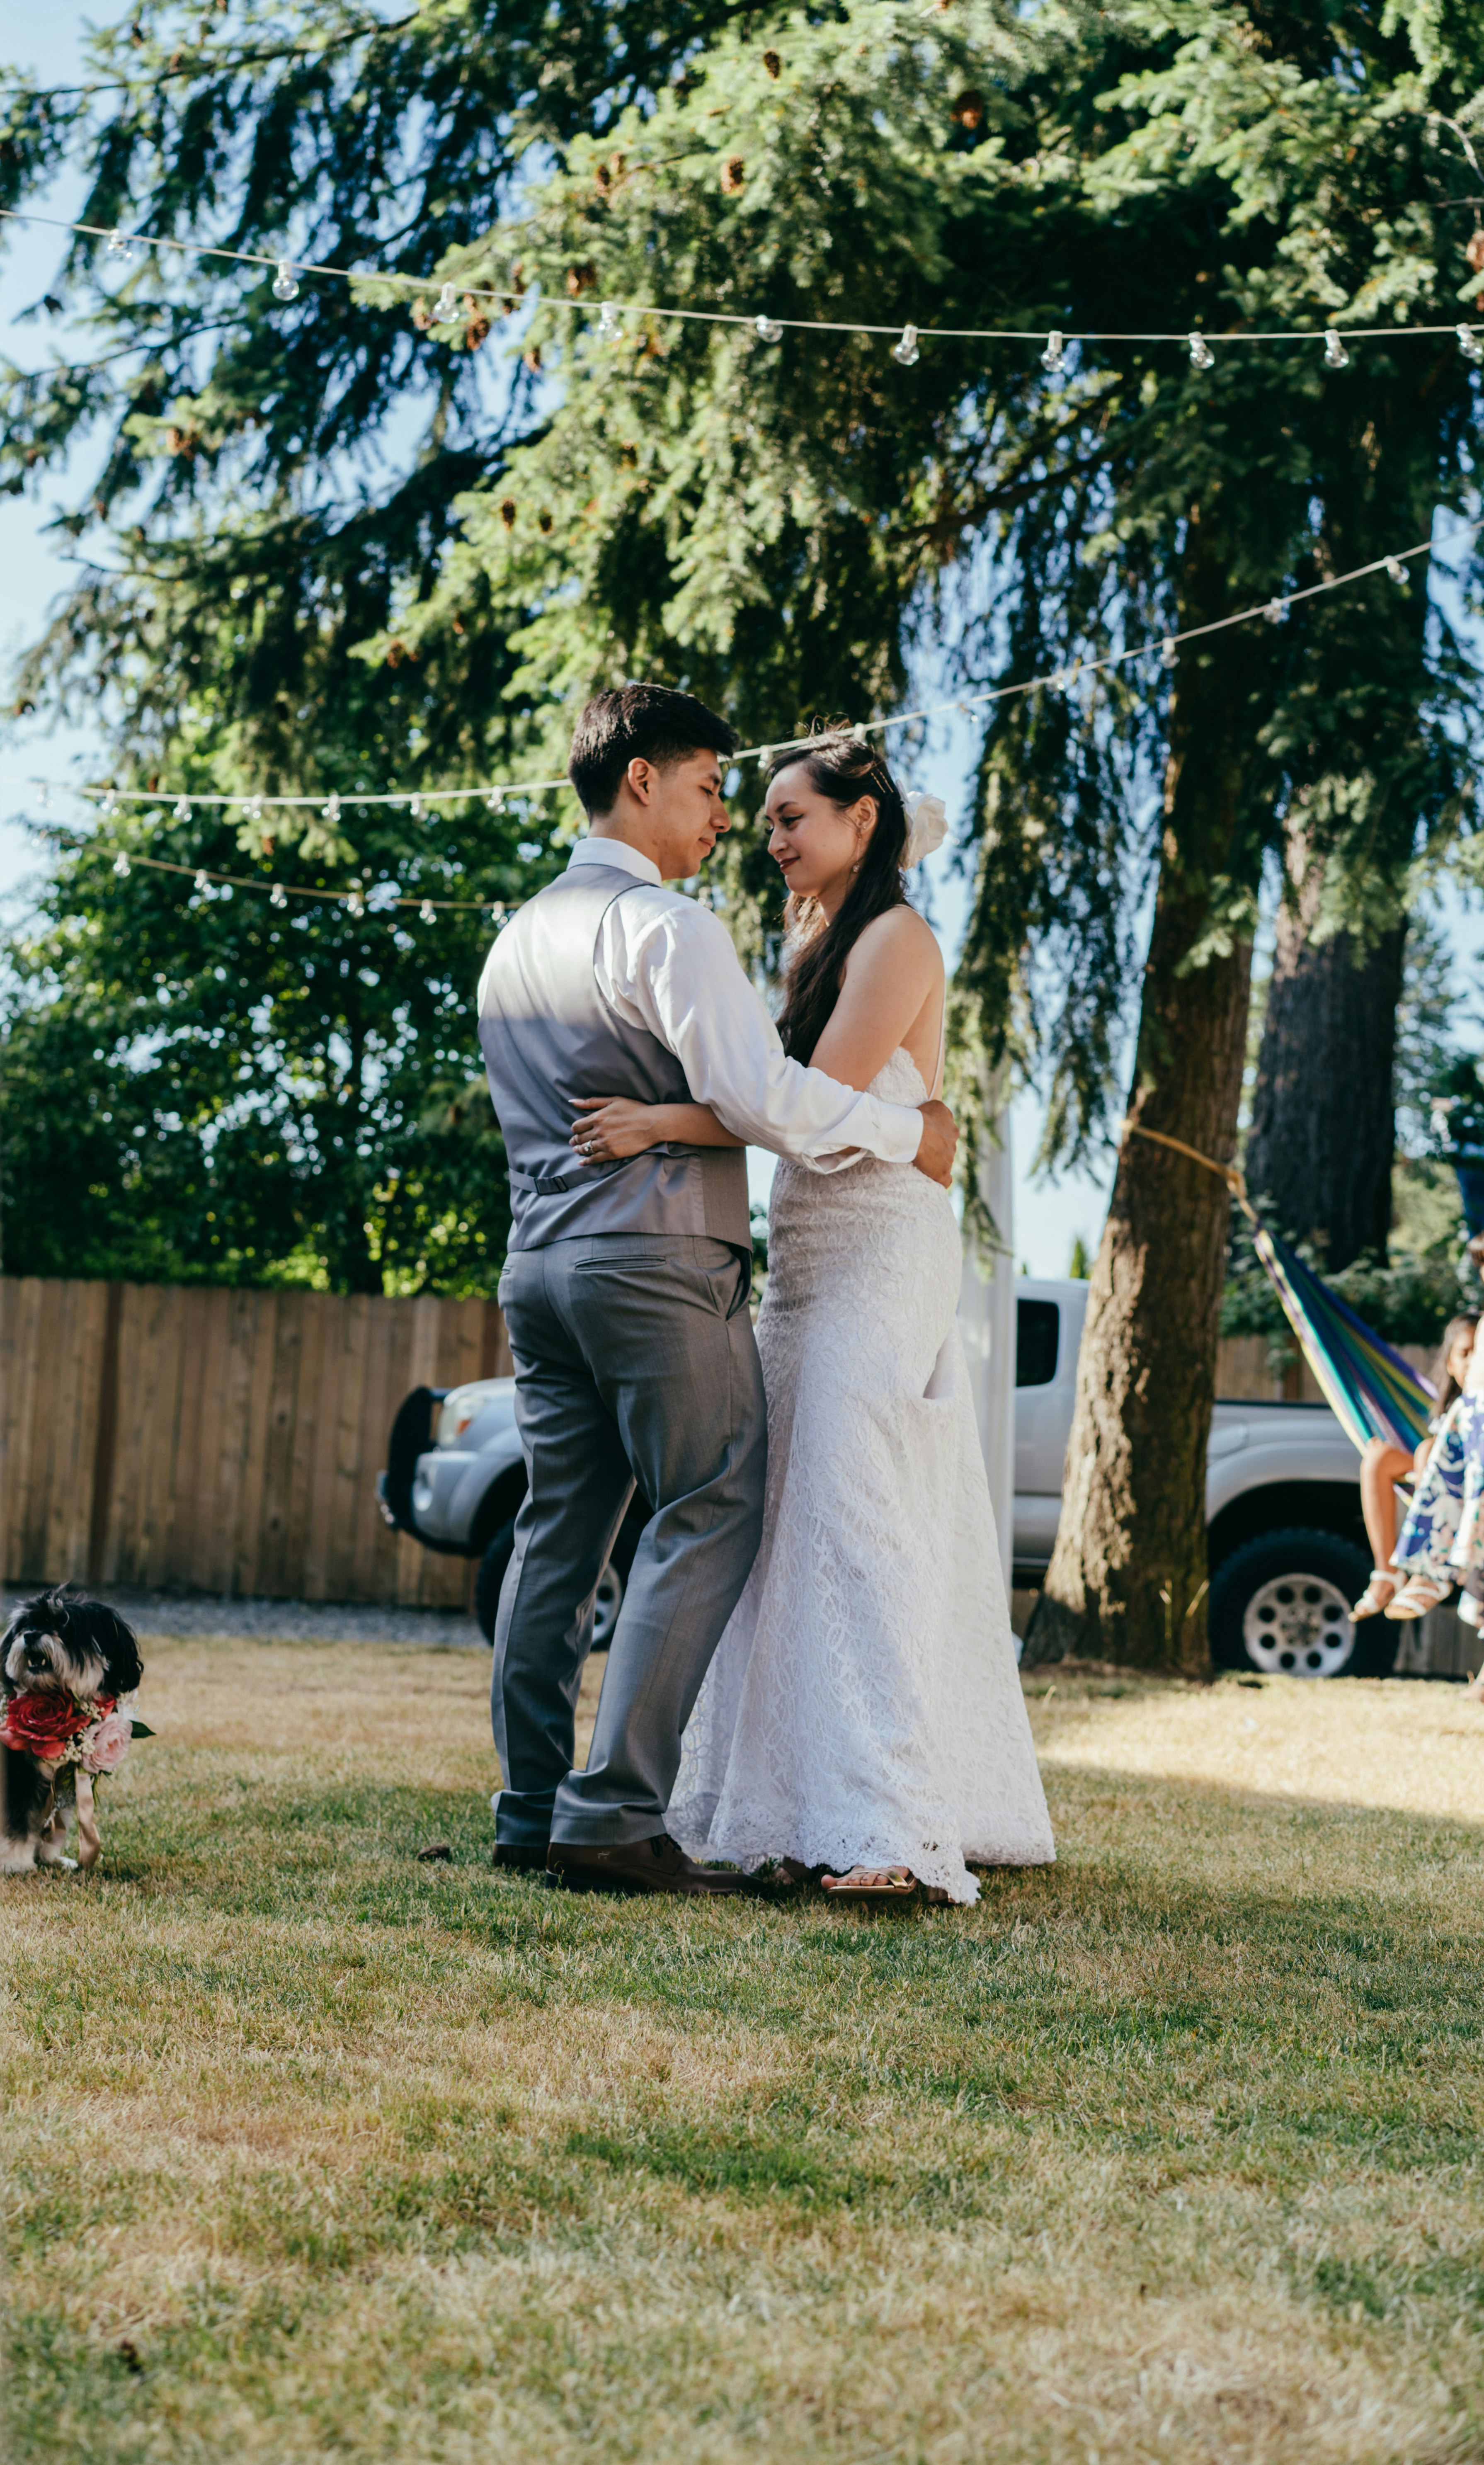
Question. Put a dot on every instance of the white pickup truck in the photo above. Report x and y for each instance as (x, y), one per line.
(1288, 1552)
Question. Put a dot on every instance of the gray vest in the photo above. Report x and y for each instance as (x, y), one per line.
(547, 1036)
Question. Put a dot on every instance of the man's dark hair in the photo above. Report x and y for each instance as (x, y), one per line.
(647, 723)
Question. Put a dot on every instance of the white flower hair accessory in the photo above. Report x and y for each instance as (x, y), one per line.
(927, 828)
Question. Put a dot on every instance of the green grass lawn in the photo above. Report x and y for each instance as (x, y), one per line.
(1170, 2152)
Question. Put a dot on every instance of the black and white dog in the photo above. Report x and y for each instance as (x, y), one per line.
(71, 1653)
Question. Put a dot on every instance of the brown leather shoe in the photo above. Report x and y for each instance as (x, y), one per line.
(655, 1865)
(509, 1852)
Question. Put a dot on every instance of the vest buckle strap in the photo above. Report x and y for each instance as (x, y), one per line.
(561, 1183)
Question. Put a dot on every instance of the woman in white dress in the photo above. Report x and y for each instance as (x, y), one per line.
(862, 1722)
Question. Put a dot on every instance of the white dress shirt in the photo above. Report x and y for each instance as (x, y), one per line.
(669, 965)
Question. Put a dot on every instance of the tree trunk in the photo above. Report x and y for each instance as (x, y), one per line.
(1127, 1577)
(1320, 1147)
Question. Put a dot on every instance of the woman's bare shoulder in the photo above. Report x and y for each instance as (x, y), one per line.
(901, 938)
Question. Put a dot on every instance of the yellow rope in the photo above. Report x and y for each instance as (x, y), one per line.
(1226, 1172)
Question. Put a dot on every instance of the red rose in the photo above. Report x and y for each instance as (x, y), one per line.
(43, 1725)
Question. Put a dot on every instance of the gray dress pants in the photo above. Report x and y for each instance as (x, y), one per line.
(634, 1361)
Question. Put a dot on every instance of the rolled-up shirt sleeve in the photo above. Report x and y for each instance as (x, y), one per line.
(669, 965)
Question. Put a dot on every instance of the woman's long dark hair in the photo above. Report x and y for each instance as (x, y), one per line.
(1443, 1379)
(844, 770)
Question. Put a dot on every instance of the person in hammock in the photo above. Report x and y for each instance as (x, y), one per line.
(1384, 1465)
(1442, 1542)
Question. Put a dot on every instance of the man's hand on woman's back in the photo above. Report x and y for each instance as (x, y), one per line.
(940, 1141)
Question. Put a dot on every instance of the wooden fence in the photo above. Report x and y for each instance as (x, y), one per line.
(195, 1439)
(1244, 1374)
(198, 1439)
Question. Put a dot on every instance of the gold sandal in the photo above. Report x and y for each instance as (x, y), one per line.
(900, 1885)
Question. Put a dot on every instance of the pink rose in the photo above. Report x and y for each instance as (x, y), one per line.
(105, 1746)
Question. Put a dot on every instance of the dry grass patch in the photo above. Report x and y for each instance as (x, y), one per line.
(1169, 2152)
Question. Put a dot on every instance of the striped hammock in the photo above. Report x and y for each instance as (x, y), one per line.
(1371, 1390)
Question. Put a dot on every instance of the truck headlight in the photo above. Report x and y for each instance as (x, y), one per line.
(459, 1407)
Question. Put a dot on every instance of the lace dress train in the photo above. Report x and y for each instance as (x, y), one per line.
(864, 1706)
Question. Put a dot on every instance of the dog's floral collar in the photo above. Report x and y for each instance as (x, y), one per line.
(57, 1731)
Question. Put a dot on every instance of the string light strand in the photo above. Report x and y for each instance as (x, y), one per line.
(495, 795)
(907, 339)
(357, 898)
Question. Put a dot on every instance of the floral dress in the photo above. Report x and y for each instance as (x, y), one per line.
(1442, 1537)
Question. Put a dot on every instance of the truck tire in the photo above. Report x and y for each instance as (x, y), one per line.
(1282, 1605)
(492, 1574)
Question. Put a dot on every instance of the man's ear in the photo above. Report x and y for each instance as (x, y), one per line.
(641, 775)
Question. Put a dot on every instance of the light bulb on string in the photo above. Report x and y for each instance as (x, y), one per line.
(1336, 356)
(428, 914)
(447, 308)
(121, 865)
(1169, 655)
(109, 807)
(1202, 355)
(253, 810)
(767, 329)
(1275, 611)
(329, 810)
(415, 808)
(120, 244)
(905, 352)
(494, 801)
(1396, 568)
(284, 286)
(1054, 354)
(498, 913)
(1469, 342)
(202, 885)
(609, 321)
(181, 809)
(355, 904)
(277, 896)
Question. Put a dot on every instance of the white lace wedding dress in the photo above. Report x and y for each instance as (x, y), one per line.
(864, 1706)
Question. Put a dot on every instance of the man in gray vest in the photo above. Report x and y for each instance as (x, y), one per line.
(626, 1289)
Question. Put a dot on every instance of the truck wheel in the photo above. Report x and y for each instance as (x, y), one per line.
(1281, 1604)
(606, 1608)
(492, 1574)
